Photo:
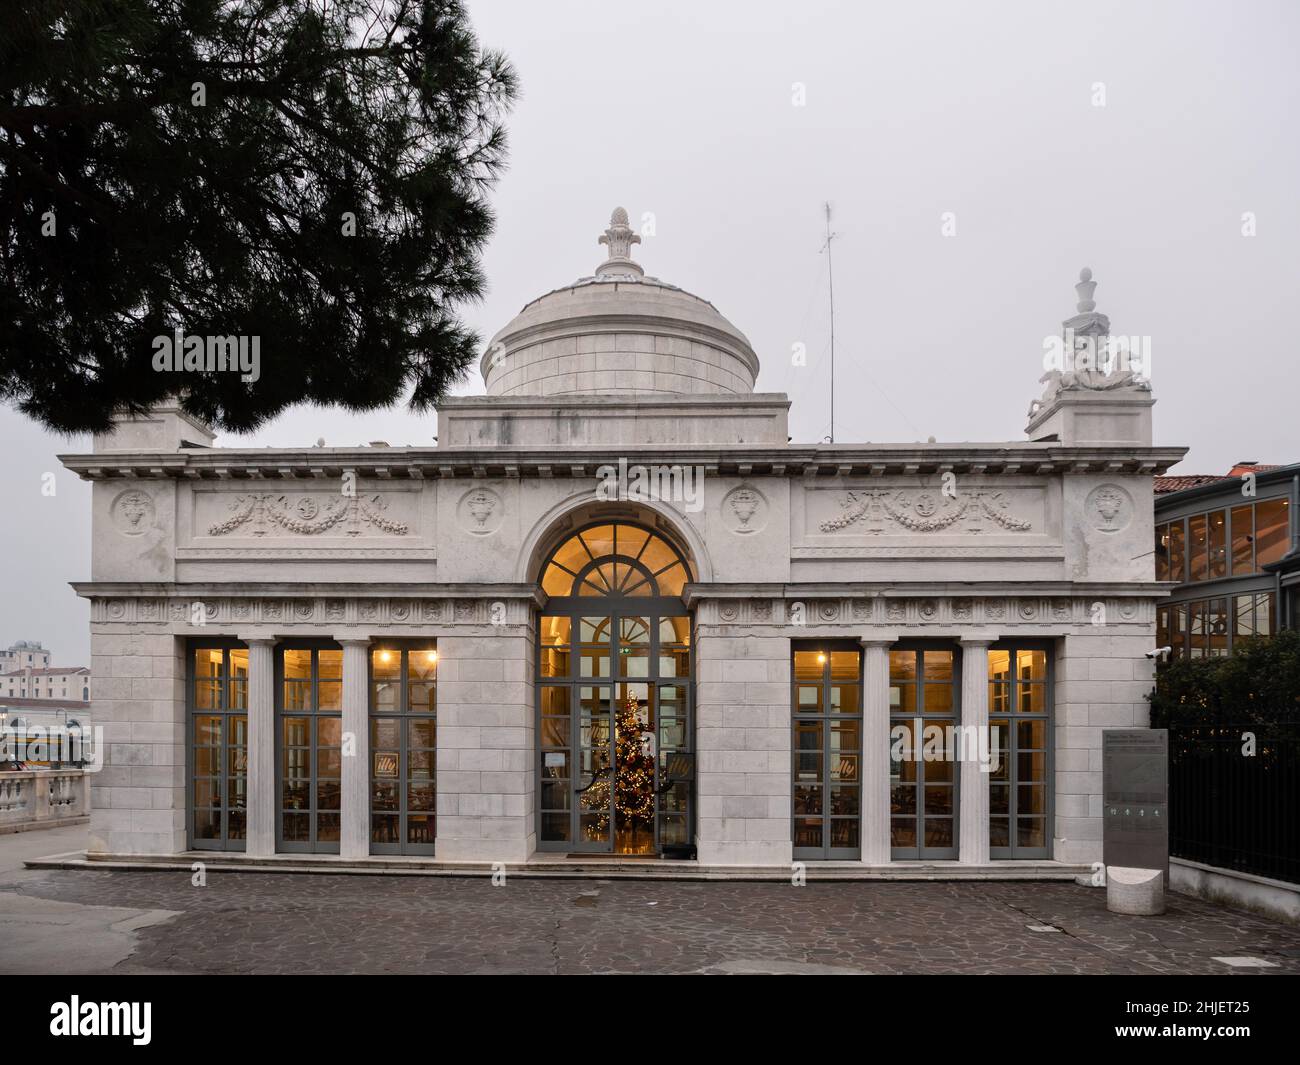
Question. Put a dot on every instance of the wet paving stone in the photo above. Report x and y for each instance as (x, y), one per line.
(277, 923)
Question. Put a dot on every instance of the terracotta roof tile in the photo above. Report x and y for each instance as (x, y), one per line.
(1165, 485)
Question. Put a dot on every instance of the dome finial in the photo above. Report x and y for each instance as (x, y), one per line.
(619, 237)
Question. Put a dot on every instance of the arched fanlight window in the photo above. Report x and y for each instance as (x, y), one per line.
(616, 560)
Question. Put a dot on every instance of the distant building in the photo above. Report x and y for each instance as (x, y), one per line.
(1232, 542)
(26, 673)
(23, 653)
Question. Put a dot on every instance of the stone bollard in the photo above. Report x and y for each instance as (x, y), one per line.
(1140, 892)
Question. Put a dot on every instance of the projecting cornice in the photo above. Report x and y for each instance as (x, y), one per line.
(1041, 459)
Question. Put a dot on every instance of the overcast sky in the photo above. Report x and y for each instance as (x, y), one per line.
(685, 111)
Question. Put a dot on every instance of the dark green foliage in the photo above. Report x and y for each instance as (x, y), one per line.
(1259, 683)
(228, 218)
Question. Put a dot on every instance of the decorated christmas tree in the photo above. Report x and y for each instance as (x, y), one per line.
(634, 777)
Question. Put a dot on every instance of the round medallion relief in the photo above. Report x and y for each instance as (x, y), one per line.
(480, 511)
(133, 512)
(1109, 508)
(744, 510)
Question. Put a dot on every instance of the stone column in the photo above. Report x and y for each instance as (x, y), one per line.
(875, 747)
(261, 747)
(355, 834)
(973, 841)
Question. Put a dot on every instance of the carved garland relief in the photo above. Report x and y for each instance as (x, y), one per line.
(259, 514)
(877, 510)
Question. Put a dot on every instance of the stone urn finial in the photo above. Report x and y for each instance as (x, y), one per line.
(619, 237)
(1085, 288)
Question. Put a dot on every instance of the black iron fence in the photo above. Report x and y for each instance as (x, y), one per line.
(1234, 797)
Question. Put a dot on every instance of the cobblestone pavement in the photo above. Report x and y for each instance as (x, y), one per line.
(278, 923)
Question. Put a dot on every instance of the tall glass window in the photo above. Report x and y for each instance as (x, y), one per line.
(923, 712)
(1243, 540)
(1177, 552)
(1216, 628)
(403, 707)
(218, 747)
(1196, 613)
(1217, 532)
(309, 707)
(1272, 531)
(827, 751)
(1020, 715)
(1233, 541)
(1198, 542)
(1201, 628)
(1162, 552)
(1178, 630)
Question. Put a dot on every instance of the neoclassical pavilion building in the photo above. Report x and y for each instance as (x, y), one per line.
(616, 611)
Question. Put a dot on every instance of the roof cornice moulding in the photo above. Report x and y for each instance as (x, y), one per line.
(747, 460)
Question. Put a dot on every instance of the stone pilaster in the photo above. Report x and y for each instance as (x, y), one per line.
(743, 741)
(486, 746)
(973, 841)
(875, 747)
(354, 841)
(261, 747)
(138, 797)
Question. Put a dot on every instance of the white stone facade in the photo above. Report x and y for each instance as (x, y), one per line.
(970, 545)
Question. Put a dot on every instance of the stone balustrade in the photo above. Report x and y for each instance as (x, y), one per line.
(43, 798)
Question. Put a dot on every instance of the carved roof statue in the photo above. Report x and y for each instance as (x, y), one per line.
(1087, 357)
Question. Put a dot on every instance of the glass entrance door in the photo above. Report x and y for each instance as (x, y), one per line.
(615, 772)
(621, 795)
(594, 806)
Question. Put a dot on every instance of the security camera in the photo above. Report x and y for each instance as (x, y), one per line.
(1161, 654)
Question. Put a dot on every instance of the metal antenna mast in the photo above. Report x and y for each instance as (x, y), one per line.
(830, 270)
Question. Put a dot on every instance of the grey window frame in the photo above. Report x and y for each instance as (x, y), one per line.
(826, 852)
(1014, 852)
(1180, 639)
(314, 845)
(921, 852)
(225, 645)
(1226, 507)
(403, 715)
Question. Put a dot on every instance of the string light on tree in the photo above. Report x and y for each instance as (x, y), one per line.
(633, 782)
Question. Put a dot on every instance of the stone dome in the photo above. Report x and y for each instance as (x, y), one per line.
(619, 332)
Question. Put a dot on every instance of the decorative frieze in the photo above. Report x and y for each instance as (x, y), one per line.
(921, 611)
(282, 612)
(286, 612)
(262, 514)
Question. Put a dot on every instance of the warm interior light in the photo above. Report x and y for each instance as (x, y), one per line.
(433, 656)
(385, 656)
(821, 659)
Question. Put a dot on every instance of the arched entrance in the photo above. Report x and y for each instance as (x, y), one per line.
(614, 699)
